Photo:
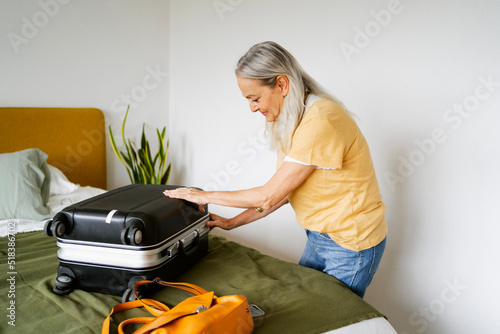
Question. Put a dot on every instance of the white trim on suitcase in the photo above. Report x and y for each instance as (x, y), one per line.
(129, 256)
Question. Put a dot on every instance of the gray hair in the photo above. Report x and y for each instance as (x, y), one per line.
(265, 62)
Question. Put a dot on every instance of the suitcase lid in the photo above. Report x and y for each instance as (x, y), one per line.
(137, 215)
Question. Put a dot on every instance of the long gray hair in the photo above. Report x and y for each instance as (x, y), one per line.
(265, 62)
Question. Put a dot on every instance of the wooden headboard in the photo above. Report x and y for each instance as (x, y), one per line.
(73, 138)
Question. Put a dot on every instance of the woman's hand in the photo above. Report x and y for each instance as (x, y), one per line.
(189, 194)
(218, 221)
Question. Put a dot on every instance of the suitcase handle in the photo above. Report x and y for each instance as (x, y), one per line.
(189, 244)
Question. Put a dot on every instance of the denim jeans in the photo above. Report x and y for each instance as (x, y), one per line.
(355, 269)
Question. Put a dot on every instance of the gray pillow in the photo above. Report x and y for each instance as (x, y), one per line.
(24, 185)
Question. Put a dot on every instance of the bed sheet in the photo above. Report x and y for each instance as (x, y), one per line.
(290, 294)
(295, 299)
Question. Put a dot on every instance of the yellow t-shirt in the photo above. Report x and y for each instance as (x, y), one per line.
(343, 198)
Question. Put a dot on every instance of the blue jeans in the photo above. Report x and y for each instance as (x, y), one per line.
(355, 269)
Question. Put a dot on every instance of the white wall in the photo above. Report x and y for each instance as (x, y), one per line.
(61, 53)
(439, 271)
(437, 167)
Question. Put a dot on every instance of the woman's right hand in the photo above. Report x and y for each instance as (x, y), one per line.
(218, 221)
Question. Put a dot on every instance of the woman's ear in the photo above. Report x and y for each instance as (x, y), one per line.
(283, 84)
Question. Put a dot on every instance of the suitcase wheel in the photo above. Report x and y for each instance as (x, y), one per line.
(54, 228)
(135, 236)
(64, 285)
(128, 296)
(132, 236)
(46, 228)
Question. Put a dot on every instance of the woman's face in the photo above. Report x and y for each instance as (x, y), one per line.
(268, 101)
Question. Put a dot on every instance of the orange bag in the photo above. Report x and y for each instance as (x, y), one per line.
(203, 313)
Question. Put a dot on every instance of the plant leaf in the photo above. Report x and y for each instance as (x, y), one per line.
(113, 144)
(132, 151)
(159, 154)
(143, 137)
(128, 163)
(165, 176)
(123, 124)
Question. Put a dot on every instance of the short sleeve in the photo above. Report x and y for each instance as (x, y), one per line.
(322, 137)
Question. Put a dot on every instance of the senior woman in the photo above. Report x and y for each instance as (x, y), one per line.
(324, 170)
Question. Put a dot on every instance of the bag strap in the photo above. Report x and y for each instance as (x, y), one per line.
(162, 312)
(130, 305)
(194, 289)
(189, 306)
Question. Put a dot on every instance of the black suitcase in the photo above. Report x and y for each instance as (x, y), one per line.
(111, 241)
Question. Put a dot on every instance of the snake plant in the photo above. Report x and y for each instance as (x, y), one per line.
(141, 166)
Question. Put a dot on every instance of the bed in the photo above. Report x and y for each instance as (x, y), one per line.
(73, 144)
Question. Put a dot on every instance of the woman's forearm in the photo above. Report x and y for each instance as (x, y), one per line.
(285, 180)
(252, 215)
(243, 218)
(249, 198)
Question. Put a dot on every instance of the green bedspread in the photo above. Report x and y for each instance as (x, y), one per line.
(295, 299)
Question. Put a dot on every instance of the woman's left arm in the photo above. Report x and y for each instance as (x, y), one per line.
(286, 179)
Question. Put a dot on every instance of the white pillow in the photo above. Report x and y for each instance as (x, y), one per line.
(24, 185)
(59, 183)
